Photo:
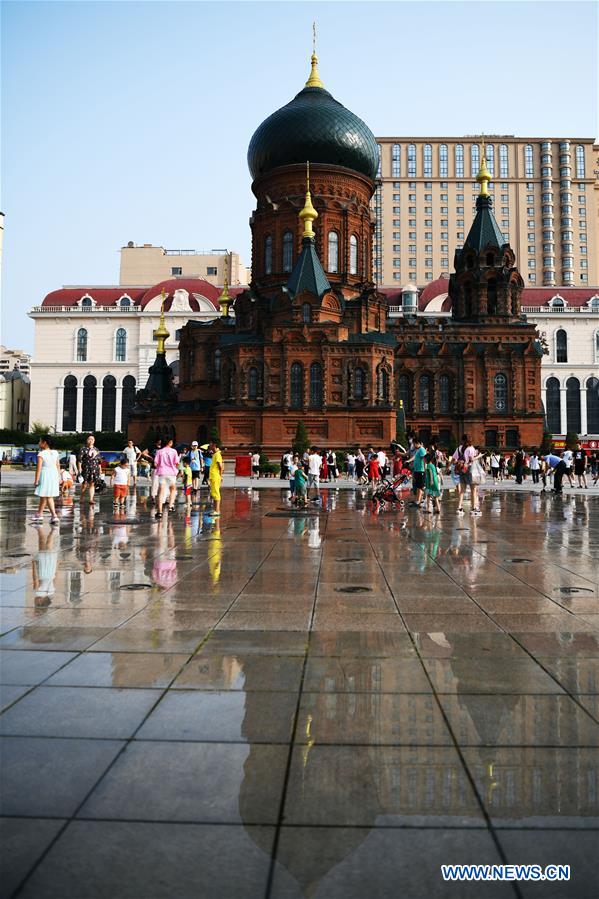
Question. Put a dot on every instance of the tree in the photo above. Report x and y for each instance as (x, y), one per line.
(38, 429)
(301, 441)
(546, 443)
(571, 439)
(214, 435)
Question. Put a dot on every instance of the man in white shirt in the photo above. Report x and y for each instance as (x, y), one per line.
(568, 457)
(131, 452)
(382, 460)
(351, 466)
(495, 466)
(255, 465)
(314, 466)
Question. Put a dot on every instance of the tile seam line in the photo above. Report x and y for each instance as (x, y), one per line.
(486, 816)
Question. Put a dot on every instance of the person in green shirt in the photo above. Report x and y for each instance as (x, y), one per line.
(433, 484)
(301, 487)
(418, 470)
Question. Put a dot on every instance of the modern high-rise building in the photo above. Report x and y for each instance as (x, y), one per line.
(545, 198)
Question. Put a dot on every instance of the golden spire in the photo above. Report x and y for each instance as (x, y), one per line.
(484, 176)
(308, 214)
(161, 334)
(225, 300)
(314, 80)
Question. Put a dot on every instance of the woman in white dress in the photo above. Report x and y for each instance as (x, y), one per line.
(47, 480)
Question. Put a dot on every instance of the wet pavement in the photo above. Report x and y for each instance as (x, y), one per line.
(276, 704)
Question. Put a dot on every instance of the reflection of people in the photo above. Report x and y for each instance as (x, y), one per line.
(47, 480)
(216, 476)
(44, 568)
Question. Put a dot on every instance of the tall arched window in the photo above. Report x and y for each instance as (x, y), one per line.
(383, 384)
(443, 168)
(296, 386)
(445, 393)
(333, 254)
(580, 161)
(217, 365)
(120, 345)
(503, 161)
(395, 161)
(306, 313)
(474, 159)
(81, 345)
(287, 251)
(553, 407)
(490, 157)
(424, 393)
(108, 403)
(87, 302)
(69, 404)
(561, 346)
(459, 160)
(428, 161)
(128, 400)
(573, 405)
(411, 160)
(253, 383)
(316, 384)
(268, 255)
(359, 383)
(593, 406)
(404, 392)
(500, 392)
(229, 384)
(492, 296)
(124, 302)
(529, 168)
(353, 255)
(89, 403)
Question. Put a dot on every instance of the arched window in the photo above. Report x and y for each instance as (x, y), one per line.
(491, 292)
(474, 159)
(404, 392)
(596, 343)
(217, 365)
(359, 383)
(500, 392)
(333, 254)
(580, 161)
(353, 255)
(468, 300)
(296, 386)
(253, 383)
(445, 393)
(120, 345)
(229, 384)
(553, 406)
(108, 403)
(490, 157)
(424, 393)
(316, 384)
(87, 302)
(529, 169)
(573, 405)
(268, 255)
(411, 160)
(443, 161)
(593, 406)
(69, 404)
(81, 345)
(383, 384)
(459, 160)
(124, 302)
(128, 400)
(428, 161)
(89, 403)
(395, 161)
(561, 346)
(503, 161)
(306, 313)
(287, 251)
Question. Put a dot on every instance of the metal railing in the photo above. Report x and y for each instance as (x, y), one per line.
(90, 310)
(593, 310)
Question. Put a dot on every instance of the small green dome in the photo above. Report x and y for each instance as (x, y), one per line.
(317, 128)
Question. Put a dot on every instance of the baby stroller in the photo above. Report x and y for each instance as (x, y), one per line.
(388, 493)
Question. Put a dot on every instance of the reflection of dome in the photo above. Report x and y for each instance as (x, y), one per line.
(317, 128)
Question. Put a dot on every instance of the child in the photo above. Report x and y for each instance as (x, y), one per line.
(66, 482)
(187, 476)
(120, 483)
(301, 487)
(292, 467)
(432, 488)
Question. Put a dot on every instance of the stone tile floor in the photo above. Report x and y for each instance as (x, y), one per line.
(323, 705)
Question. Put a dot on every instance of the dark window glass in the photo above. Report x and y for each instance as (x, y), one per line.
(383, 385)
(296, 385)
(490, 438)
(121, 345)
(500, 392)
(445, 393)
(89, 403)
(353, 255)
(287, 251)
(86, 302)
(511, 438)
(573, 405)
(404, 392)
(81, 345)
(108, 403)
(69, 404)
(316, 384)
(553, 406)
(128, 400)
(424, 394)
(561, 346)
(268, 256)
(359, 384)
(306, 313)
(593, 406)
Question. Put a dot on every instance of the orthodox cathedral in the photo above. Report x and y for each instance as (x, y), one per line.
(311, 338)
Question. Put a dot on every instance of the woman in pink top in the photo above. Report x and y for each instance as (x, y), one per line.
(463, 458)
(166, 462)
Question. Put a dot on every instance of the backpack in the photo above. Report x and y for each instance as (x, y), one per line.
(461, 466)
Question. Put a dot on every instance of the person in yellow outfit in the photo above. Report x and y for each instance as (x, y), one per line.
(216, 476)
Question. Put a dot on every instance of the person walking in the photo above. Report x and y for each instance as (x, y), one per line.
(167, 467)
(432, 487)
(501, 467)
(121, 476)
(495, 465)
(374, 472)
(417, 459)
(568, 457)
(195, 464)
(149, 456)
(291, 469)
(351, 466)
(463, 458)
(324, 468)
(314, 466)
(216, 476)
(90, 468)
(360, 466)
(255, 465)
(47, 480)
(72, 467)
(519, 465)
(535, 466)
(132, 454)
(580, 465)
(207, 464)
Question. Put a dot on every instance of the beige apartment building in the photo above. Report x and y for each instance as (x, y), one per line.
(546, 201)
(147, 264)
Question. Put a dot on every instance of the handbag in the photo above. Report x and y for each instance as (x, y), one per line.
(461, 466)
(477, 473)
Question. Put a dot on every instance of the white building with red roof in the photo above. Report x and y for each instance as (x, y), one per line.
(94, 346)
(567, 319)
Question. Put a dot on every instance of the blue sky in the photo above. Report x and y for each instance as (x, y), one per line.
(130, 120)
